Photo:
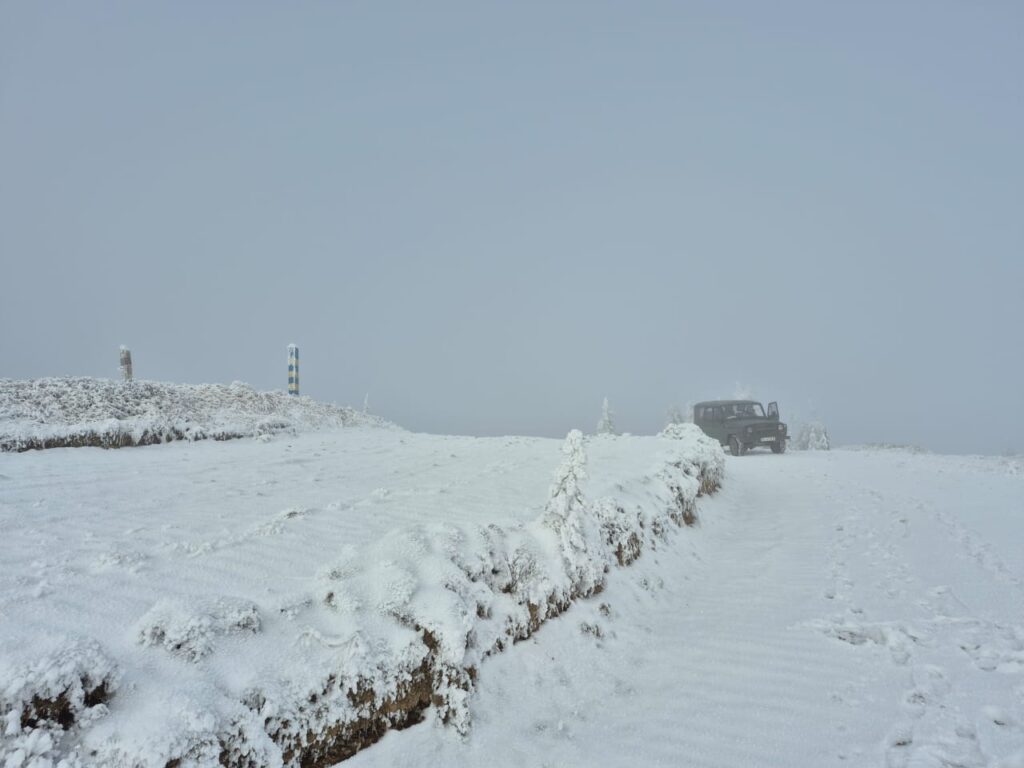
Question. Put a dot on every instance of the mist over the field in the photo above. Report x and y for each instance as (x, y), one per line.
(490, 217)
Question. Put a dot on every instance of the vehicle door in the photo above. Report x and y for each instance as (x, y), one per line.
(716, 423)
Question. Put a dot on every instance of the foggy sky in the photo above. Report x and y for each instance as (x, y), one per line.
(489, 216)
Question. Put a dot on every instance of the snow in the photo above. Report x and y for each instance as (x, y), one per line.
(848, 608)
(229, 599)
(189, 601)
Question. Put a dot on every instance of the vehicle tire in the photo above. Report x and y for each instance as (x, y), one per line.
(779, 447)
(736, 448)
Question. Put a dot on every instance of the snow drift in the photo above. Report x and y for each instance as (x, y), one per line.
(401, 625)
(77, 412)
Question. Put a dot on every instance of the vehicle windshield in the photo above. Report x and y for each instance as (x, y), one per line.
(744, 411)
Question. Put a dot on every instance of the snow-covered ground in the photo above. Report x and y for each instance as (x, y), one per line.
(851, 608)
(854, 608)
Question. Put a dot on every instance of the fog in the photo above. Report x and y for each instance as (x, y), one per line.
(490, 216)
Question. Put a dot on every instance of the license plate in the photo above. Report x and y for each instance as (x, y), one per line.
(770, 439)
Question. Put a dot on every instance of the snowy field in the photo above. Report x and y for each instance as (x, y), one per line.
(851, 608)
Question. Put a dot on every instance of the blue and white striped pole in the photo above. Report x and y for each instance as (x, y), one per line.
(293, 369)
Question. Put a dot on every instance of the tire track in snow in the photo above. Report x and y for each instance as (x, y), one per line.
(745, 682)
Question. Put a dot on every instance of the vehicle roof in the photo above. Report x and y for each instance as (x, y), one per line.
(726, 402)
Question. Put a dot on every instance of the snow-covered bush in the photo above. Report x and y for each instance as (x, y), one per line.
(606, 426)
(461, 593)
(621, 530)
(567, 515)
(65, 687)
(73, 412)
(188, 628)
(811, 436)
(704, 457)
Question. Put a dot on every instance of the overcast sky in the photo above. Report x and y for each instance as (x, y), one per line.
(490, 215)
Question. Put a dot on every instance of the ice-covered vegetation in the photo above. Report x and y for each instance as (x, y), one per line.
(606, 424)
(811, 436)
(75, 412)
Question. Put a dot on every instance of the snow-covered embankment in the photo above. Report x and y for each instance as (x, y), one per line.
(391, 629)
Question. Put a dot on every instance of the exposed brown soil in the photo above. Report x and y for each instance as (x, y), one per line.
(59, 710)
(343, 740)
(109, 440)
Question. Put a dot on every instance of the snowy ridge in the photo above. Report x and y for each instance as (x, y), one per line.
(381, 634)
(77, 412)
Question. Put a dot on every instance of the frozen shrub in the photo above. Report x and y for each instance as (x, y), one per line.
(567, 514)
(189, 628)
(620, 530)
(606, 426)
(75, 412)
(812, 436)
(63, 689)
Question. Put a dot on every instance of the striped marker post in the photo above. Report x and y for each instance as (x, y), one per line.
(293, 369)
(126, 364)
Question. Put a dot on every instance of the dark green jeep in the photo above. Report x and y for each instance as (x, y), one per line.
(741, 424)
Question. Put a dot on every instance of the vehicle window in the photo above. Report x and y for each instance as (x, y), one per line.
(744, 411)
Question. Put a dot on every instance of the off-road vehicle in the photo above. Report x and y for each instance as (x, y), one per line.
(742, 425)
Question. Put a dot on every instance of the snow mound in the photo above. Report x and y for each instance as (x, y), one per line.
(75, 412)
(458, 594)
(705, 459)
